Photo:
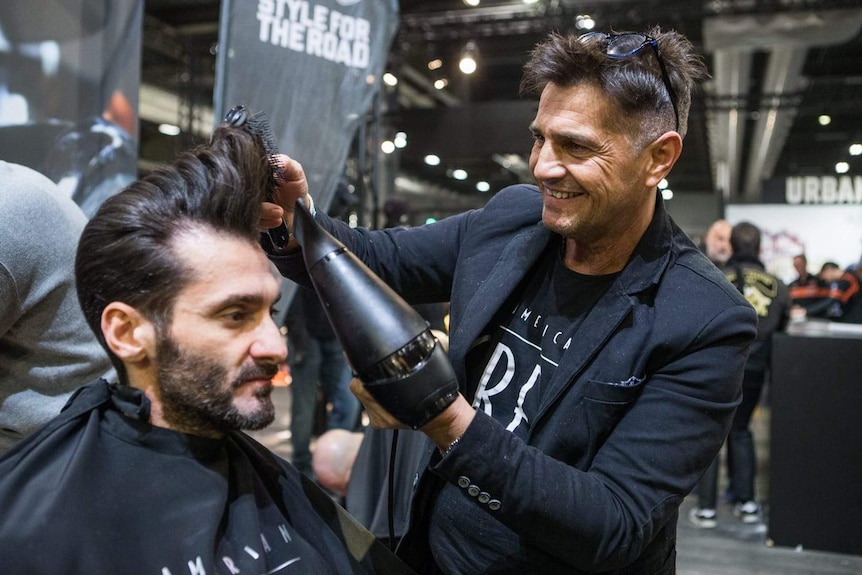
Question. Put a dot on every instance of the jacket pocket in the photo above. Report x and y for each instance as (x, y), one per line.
(622, 392)
(605, 404)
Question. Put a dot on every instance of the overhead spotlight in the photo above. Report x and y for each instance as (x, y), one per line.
(585, 22)
(842, 168)
(663, 184)
(441, 83)
(824, 119)
(435, 64)
(432, 160)
(468, 63)
(483, 186)
(471, 2)
(387, 146)
(530, 1)
(400, 140)
(856, 149)
(459, 174)
(389, 79)
(667, 194)
(169, 129)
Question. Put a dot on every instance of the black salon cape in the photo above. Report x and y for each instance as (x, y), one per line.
(99, 491)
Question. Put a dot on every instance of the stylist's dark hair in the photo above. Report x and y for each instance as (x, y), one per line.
(634, 84)
(126, 252)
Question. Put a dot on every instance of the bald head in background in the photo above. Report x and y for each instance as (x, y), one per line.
(717, 242)
(333, 457)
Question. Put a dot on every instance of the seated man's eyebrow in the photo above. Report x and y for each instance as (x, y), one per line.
(239, 300)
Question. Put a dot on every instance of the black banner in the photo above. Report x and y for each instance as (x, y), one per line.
(313, 66)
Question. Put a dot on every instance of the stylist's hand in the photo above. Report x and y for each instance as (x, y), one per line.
(442, 430)
(294, 186)
(380, 418)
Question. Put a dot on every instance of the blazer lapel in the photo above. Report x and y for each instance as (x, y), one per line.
(514, 262)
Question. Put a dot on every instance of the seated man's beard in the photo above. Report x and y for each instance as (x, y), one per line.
(195, 395)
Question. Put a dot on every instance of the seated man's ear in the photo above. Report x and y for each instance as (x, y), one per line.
(127, 333)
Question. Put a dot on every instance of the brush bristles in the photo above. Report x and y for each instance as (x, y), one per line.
(259, 127)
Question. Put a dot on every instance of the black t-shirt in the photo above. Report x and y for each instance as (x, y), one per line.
(524, 346)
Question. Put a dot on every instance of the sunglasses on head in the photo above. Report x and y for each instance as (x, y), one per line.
(628, 44)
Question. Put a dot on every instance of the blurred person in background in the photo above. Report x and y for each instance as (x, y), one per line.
(316, 362)
(46, 348)
(717, 242)
(840, 293)
(769, 297)
(806, 291)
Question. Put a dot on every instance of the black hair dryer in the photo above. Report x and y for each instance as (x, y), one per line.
(388, 344)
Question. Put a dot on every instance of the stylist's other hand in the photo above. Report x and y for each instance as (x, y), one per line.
(447, 427)
(377, 414)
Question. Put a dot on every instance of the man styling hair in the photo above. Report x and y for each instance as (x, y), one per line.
(599, 354)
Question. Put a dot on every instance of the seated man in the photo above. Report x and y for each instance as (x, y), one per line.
(152, 475)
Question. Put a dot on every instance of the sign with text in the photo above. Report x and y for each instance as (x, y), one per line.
(814, 190)
(313, 67)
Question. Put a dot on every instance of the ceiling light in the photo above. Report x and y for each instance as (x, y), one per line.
(842, 168)
(471, 2)
(430, 220)
(441, 83)
(435, 64)
(387, 146)
(468, 63)
(389, 79)
(585, 22)
(667, 194)
(824, 119)
(459, 174)
(856, 149)
(530, 1)
(169, 130)
(662, 184)
(432, 160)
(400, 140)
(483, 186)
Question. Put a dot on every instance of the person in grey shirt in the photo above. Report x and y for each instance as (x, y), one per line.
(46, 348)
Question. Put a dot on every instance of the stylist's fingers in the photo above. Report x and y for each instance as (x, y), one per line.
(270, 216)
(293, 184)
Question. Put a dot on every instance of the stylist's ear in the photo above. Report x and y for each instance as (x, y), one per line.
(128, 334)
(663, 154)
